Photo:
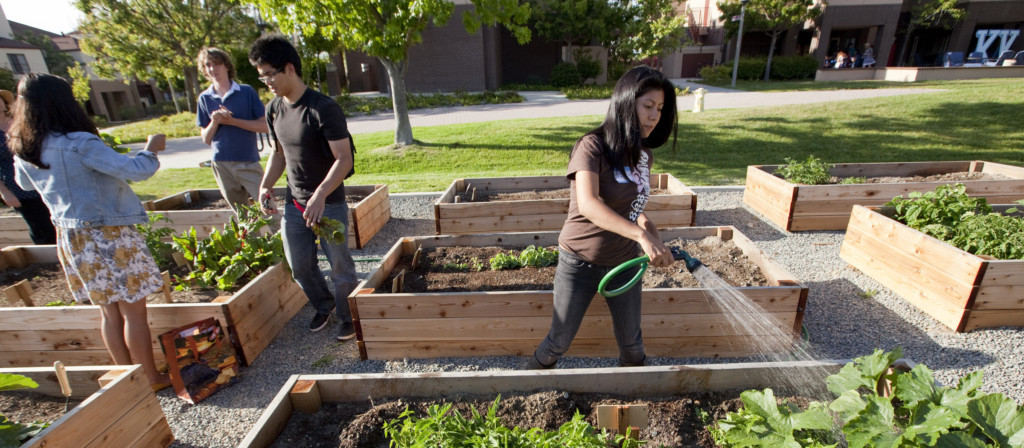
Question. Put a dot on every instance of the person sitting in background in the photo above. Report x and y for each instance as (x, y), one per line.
(869, 56)
(841, 59)
(27, 203)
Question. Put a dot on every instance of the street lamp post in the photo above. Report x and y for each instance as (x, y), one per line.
(739, 42)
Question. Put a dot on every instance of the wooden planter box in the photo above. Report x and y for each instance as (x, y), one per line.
(365, 218)
(675, 209)
(34, 336)
(796, 207)
(307, 393)
(677, 322)
(959, 289)
(119, 409)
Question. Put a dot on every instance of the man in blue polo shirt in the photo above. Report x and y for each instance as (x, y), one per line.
(230, 115)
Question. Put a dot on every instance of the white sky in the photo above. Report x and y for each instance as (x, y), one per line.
(57, 16)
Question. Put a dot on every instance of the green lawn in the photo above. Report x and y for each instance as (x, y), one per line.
(971, 120)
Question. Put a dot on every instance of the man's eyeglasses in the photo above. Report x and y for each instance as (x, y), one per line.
(268, 76)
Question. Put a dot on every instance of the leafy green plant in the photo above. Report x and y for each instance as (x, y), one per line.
(60, 303)
(538, 257)
(969, 223)
(868, 294)
(879, 405)
(455, 267)
(505, 260)
(853, 180)
(114, 142)
(810, 172)
(13, 434)
(155, 236)
(443, 428)
(229, 259)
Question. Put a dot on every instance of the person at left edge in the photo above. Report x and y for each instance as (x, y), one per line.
(231, 116)
(27, 203)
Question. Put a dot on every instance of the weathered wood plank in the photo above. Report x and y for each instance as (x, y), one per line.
(83, 379)
(142, 425)
(471, 329)
(994, 318)
(688, 346)
(538, 303)
(1004, 273)
(21, 358)
(999, 298)
(273, 420)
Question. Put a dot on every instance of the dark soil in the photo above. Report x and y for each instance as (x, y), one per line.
(453, 269)
(673, 421)
(528, 195)
(49, 285)
(26, 406)
(945, 177)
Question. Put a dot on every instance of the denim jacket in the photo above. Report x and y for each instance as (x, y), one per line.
(85, 185)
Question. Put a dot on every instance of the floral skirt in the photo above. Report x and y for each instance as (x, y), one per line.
(107, 264)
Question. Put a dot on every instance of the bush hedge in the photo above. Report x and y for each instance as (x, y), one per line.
(784, 68)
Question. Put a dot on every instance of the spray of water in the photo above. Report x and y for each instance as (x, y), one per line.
(768, 339)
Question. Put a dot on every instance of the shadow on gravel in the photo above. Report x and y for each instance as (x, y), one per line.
(845, 322)
(747, 222)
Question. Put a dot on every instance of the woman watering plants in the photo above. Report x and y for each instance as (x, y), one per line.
(609, 178)
(83, 183)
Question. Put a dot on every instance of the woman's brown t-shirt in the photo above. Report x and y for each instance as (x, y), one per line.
(626, 193)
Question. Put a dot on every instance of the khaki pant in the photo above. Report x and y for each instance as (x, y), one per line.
(238, 182)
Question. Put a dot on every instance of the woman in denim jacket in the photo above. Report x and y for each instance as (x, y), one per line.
(83, 183)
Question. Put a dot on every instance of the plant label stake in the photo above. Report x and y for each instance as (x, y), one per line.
(416, 257)
(167, 286)
(65, 384)
(398, 282)
(20, 291)
(622, 418)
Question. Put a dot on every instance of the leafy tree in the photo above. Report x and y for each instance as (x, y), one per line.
(386, 31)
(79, 82)
(931, 13)
(56, 60)
(7, 81)
(774, 17)
(160, 38)
(571, 21)
(644, 29)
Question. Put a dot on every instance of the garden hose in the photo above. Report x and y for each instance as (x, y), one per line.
(678, 254)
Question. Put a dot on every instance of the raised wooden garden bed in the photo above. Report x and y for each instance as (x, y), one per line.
(34, 336)
(677, 322)
(365, 217)
(119, 409)
(676, 208)
(796, 207)
(307, 393)
(959, 289)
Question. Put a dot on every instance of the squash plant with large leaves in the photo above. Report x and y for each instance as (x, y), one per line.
(885, 407)
(230, 258)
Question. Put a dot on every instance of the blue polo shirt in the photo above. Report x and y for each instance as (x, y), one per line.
(231, 143)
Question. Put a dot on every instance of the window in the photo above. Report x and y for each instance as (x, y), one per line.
(19, 65)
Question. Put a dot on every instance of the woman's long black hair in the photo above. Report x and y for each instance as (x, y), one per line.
(45, 105)
(621, 128)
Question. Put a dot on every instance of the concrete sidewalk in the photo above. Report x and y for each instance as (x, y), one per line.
(190, 152)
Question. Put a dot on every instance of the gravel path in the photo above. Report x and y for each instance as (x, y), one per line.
(848, 315)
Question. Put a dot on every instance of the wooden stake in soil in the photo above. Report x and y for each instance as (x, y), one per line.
(167, 286)
(65, 385)
(622, 418)
(398, 282)
(179, 259)
(472, 197)
(416, 257)
(19, 291)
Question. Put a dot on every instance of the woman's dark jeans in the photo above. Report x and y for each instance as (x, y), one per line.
(576, 284)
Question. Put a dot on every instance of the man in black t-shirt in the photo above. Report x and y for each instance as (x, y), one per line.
(313, 146)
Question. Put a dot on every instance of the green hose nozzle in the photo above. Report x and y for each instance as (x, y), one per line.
(691, 265)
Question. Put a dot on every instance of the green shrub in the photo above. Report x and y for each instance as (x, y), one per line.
(100, 121)
(793, 68)
(128, 112)
(162, 108)
(565, 74)
(587, 66)
(811, 172)
(720, 73)
(155, 236)
(7, 81)
(751, 69)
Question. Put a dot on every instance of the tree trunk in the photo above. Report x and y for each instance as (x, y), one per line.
(403, 128)
(771, 52)
(191, 87)
(900, 62)
(174, 95)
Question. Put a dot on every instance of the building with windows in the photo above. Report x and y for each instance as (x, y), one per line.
(18, 57)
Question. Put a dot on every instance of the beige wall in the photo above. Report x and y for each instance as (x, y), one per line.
(36, 63)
